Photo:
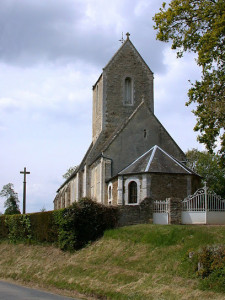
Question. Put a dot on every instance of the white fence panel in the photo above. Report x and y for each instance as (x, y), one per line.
(216, 217)
(193, 217)
(160, 212)
(160, 218)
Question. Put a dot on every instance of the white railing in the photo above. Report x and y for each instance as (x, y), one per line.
(160, 206)
(215, 202)
(203, 200)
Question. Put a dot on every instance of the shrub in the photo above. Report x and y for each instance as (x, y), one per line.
(84, 221)
(19, 227)
(211, 268)
(3, 228)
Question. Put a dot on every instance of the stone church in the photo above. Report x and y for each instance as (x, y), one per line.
(132, 156)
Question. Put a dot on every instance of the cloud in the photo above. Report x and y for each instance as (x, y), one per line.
(171, 90)
(51, 53)
(71, 31)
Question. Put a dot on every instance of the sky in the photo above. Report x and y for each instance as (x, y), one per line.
(51, 54)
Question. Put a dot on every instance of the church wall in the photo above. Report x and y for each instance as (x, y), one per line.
(97, 109)
(95, 173)
(126, 63)
(141, 133)
(73, 189)
(173, 185)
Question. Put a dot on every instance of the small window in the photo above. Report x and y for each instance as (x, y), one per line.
(110, 192)
(128, 92)
(132, 192)
(145, 133)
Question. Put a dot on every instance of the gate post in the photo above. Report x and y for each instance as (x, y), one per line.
(206, 202)
(174, 210)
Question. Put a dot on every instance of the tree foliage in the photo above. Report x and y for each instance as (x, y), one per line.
(199, 26)
(69, 172)
(208, 166)
(12, 202)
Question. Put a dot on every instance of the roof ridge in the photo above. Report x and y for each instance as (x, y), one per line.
(151, 158)
(175, 160)
(137, 159)
(144, 163)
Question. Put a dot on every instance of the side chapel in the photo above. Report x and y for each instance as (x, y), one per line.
(131, 156)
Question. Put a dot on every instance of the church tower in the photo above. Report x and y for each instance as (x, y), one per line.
(126, 80)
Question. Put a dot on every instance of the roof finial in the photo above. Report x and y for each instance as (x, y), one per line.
(122, 39)
(128, 35)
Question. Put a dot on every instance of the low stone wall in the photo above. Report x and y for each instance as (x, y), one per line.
(136, 214)
(143, 213)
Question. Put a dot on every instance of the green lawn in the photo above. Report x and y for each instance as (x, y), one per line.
(134, 262)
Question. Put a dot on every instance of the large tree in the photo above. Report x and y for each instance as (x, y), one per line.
(208, 166)
(199, 26)
(12, 202)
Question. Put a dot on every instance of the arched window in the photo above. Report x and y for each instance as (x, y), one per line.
(128, 91)
(110, 192)
(132, 192)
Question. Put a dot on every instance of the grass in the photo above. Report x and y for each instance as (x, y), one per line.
(135, 262)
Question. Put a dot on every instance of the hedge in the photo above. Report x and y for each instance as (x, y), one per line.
(70, 228)
(3, 228)
(43, 227)
(83, 222)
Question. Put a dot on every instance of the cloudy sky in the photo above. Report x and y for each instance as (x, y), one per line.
(51, 53)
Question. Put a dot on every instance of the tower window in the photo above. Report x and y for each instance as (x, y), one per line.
(145, 133)
(128, 91)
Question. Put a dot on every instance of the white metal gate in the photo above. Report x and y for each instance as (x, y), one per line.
(203, 207)
(160, 212)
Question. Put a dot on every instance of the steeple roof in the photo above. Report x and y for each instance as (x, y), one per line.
(126, 43)
(156, 160)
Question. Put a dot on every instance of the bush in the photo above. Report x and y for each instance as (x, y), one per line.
(3, 228)
(84, 221)
(19, 227)
(211, 268)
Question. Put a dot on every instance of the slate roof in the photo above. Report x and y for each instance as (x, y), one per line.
(156, 160)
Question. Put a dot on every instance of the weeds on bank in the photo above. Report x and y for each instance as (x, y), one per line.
(135, 262)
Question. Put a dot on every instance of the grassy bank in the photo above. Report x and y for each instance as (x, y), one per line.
(135, 262)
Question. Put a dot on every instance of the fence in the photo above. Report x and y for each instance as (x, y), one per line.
(203, 207)
(160, 212)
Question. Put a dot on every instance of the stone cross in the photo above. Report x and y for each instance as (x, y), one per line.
(24, 189)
